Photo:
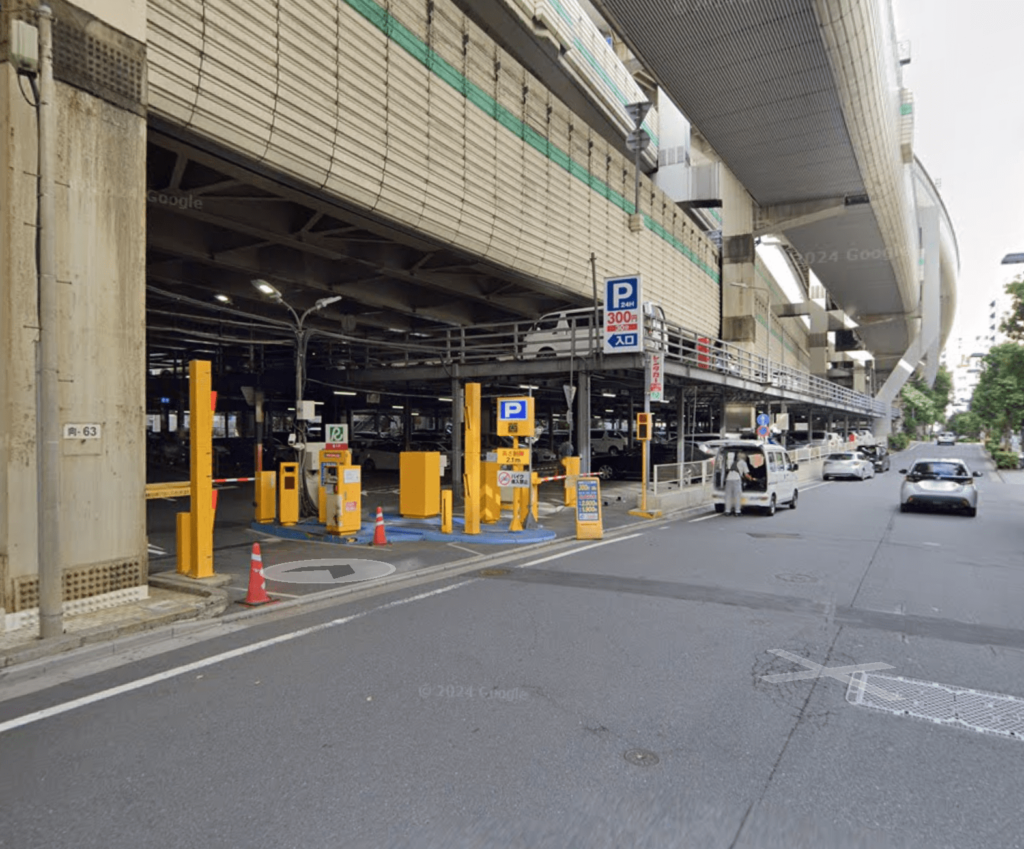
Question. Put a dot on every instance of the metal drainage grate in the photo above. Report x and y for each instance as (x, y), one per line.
(641, 757)
(974, 710)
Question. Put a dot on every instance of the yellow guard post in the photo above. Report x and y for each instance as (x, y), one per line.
(195, 535)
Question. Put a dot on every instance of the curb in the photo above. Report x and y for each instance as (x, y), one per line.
(216, 602)
(211, 618)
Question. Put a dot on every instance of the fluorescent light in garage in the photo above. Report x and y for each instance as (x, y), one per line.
(444, 399)
(397, 407)
(340, 392)
(224, 299)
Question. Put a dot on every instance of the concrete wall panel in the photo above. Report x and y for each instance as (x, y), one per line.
(175, 54)
(430, 125)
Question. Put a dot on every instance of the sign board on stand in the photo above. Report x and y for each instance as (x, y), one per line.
(588, 509)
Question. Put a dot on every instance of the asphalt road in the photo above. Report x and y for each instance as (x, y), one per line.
(595, 695)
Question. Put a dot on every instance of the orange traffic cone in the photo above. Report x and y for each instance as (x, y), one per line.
(378, 531)
(257, 585)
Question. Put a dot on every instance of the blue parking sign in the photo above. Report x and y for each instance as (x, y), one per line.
(623, 320)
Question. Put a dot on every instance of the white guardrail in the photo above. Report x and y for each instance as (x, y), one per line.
(669, 477)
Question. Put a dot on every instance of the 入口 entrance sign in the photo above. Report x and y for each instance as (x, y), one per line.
(623, 322)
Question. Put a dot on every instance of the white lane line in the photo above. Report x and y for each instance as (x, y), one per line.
(814, 486)
(576, 550)
(462, 548)
(705, 518)
(74, 704)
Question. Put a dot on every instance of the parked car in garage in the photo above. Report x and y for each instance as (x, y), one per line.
(847, 464)
(944, 483)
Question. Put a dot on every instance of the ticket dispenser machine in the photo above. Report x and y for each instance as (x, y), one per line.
(341, 484)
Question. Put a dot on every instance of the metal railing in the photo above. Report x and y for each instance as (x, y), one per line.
(578, 334)
(668, 476)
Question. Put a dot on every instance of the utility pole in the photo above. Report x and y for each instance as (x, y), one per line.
(50, 562)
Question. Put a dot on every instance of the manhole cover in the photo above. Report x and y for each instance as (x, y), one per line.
(774, 536)
(641, 757)
(493, 573)
(796, 578)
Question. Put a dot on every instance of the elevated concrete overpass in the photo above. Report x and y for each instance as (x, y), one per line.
(802, 101)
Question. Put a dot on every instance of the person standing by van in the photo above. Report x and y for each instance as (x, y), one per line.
(738, 471)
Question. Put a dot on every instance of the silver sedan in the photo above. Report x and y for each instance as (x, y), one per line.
(847, 464)
(941, 482)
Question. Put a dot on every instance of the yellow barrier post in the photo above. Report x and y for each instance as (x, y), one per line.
(289, 494)
(572, 471)
(471, 445)
(490, 494)
(202, 402)
(535, 485)
(184, 542)
(419, 484)
(446, 511)
(517, 496)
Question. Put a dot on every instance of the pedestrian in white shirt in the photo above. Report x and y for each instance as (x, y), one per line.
(737, 472)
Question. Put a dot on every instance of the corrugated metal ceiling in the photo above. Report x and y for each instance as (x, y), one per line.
(754, 77)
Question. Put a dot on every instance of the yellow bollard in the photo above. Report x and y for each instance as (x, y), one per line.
(535, 482)
(446, 511)
(572, 470)
(184, 542)
(490, 494)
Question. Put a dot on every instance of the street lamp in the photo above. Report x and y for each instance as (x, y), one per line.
(301, 341)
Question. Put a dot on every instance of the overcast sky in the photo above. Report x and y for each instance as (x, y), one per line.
(966, 75)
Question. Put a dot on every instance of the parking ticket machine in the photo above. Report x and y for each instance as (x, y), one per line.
(340, 492)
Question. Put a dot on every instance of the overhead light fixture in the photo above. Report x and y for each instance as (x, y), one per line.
(397, 407)
(326, 302)
(527, 386)
(608, 395)
(224, 299)
(342, 392)
(444, 399)
(264, 287)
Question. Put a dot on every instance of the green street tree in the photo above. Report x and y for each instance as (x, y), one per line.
(967, 424)
(1013, 324)
(999, 397)
(925, 405)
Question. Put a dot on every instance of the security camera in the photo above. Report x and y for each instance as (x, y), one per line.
(291, 439)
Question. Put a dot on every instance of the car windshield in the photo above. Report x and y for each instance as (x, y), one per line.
(846, 456)
(940, 470)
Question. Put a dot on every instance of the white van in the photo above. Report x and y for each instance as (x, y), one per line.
(559, 334)
(774, 475)
(576, 333)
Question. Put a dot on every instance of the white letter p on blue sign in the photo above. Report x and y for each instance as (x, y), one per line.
(513, 410)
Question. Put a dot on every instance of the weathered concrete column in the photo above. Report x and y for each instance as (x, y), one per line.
(100, 271)
(739, 324)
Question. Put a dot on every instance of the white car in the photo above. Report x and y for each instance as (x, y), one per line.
(946, 438)
(847, 464)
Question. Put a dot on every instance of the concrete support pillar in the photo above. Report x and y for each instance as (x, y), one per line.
(739, 322)
(817, 341)
(100, 271)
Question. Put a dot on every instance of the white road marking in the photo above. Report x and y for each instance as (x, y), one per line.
(74, 704)
(576, 550)
(814, 486)
(462, 548)
(705, 518)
